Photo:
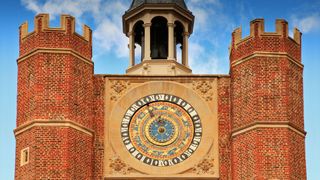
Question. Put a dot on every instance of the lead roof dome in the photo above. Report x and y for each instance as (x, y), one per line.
(137, 3)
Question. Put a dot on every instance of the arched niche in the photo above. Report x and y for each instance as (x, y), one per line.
(159, 38)
(139, 33)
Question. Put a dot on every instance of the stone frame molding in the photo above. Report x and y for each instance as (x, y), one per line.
(209, 137)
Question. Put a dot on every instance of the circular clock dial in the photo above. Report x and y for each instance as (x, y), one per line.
(161, 130)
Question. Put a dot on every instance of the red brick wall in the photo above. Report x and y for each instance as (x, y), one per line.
(297, 156)
(27, 139)
(262, 154)
(224, 127)
(55, 153)
(54, 86)
(98, 126)
(267, 88)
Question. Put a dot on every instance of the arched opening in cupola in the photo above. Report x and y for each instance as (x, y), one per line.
(178, 38)
(159, 38)
(138, 30)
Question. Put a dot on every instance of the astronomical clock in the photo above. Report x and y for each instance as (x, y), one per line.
(161, 128)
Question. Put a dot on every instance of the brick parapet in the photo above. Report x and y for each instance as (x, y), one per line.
(63, 37)
(261, 41)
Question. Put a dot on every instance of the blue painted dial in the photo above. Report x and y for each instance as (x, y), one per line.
(161, 130)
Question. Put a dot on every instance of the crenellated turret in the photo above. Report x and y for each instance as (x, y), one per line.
(259, 40)
(267, 103)
(55, 92)
(257, 30)
(61, 37)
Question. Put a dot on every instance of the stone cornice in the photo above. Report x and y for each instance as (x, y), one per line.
(56, 51)
(52, 123)
(267, 124)
(266, 54)
(163, 76)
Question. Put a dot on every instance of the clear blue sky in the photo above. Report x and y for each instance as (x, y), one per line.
(215, 20)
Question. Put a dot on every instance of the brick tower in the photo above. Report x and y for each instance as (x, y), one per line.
(55, 87)
(267, 104)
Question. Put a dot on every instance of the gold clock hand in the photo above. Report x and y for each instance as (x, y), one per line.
(159, 120)
(150, 110)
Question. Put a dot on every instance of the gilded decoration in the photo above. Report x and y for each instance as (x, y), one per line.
(204, 88)
(118, 88)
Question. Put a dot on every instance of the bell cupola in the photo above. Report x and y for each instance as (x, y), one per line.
(161, 28)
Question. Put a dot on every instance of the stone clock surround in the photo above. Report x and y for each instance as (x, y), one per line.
(114, 142)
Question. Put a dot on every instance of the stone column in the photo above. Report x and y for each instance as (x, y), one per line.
(147, 40)
(142, 48)
(131, 49)
(171, 41)
(175, 48)
(185, 46)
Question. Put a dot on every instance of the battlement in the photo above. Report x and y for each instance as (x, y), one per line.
(55, 38)
(67, 24)
(259, 41)
(257, 30)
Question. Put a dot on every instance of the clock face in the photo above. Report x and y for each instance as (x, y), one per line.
(161, 130)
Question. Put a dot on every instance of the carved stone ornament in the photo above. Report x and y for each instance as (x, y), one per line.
(119, 167)
(118, 88)
(206, 166)
(204, 88)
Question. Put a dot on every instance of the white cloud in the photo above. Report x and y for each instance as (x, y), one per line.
(202, 60)
(31, 5)
(109, 37)
(56, 7)
(204, 3)
(210, 18)
(108, 33)
(307, 24)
